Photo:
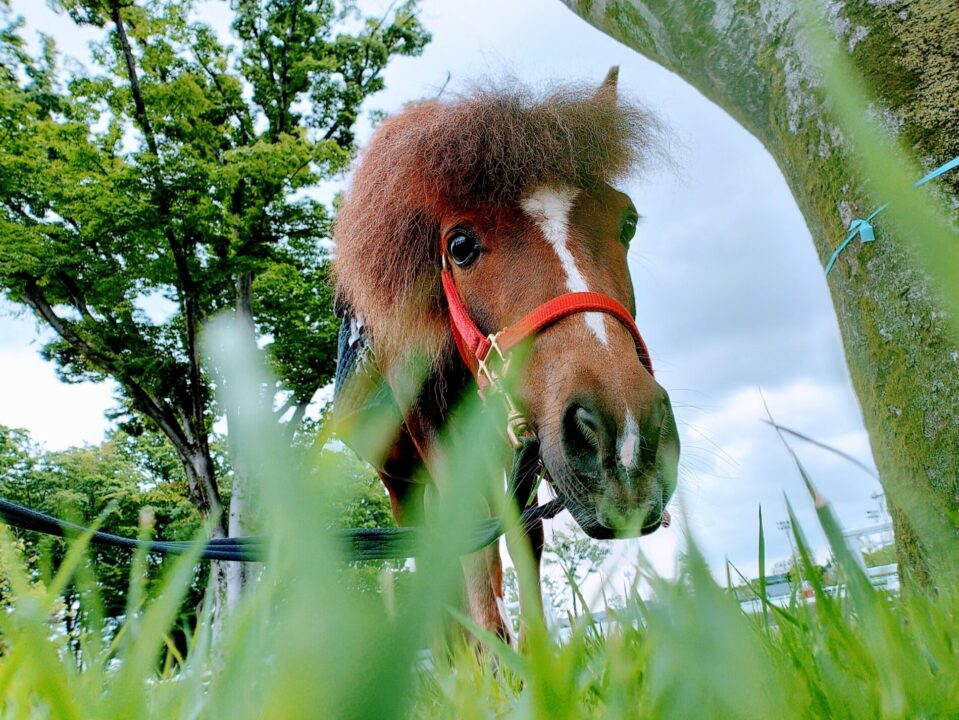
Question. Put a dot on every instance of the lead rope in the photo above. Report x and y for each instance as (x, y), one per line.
(359, 544)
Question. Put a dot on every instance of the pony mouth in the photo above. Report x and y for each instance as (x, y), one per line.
(665, 520)
(591, 520)
(601, 531)
(590, 497)
(609, 502)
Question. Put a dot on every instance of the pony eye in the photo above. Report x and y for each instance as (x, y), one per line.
(627, 226)
(463, 248)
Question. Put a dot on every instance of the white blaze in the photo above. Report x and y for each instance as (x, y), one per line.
(629, 441)
(550, 206)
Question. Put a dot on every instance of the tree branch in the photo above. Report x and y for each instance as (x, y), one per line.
(191, 310)
(359, 81)
(285, 68)
(144, 400)
(264, 50)
(246, 123)
(203, 486)
(19, 211)
(284, 408)
(297, 418)
(76, 297)
(139, 106)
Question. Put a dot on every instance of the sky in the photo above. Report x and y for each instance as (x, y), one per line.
(731, 297)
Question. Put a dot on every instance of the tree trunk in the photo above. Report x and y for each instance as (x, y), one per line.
(239, 574)
(750, 59)
(225, 577)
(200, 472)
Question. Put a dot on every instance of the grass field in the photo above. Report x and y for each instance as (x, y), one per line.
(302, 644)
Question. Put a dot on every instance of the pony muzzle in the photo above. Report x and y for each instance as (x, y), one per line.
(616, 481)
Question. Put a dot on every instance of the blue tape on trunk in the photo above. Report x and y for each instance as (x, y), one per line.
(863, 229)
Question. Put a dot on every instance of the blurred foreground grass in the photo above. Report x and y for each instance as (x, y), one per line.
(304, 644)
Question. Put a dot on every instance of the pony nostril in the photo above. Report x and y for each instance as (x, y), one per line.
(582, 436)
(651, 429)
(588, 423)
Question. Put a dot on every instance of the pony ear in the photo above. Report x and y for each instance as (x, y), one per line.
(607, 89)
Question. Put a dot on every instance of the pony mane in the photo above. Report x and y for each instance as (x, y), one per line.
(488, 147)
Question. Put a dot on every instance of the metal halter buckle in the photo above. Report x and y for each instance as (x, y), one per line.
(492, 375)
(516, 423)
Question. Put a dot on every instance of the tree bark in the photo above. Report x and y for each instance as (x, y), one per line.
(239, 574)
(750, 58)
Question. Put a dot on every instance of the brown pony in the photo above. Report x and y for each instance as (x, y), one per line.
(517, 191)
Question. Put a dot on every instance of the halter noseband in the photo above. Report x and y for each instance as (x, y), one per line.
(477, 349)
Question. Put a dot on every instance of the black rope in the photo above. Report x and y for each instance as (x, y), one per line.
(358, 543)
(244, 549)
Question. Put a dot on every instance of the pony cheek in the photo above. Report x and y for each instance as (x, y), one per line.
(534, 387)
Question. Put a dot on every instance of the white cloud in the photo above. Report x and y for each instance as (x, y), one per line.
(745, 465)
(56, 414)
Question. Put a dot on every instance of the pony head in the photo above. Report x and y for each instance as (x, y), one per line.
(519, 192)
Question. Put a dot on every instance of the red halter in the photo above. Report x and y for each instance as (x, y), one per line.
(475, 347)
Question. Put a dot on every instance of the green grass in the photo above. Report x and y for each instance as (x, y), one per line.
(303, 644)
(295, 650)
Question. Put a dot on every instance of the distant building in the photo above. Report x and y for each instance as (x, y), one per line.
(864, 541)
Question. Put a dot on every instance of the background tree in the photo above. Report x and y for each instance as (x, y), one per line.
(569, 559)
(176, 179)
(361, 502)
(129, 475)
(754, 60)
(111, 480)
(578, 557)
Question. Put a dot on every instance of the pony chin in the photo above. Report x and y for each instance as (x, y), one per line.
(587, 515)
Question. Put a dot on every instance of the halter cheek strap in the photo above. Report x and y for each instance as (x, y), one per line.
(476, 349)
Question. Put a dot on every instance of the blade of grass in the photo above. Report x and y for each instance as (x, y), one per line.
(824, 446)
(764, 597)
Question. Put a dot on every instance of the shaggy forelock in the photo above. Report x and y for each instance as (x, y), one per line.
(488, 147)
